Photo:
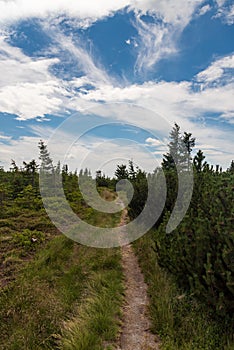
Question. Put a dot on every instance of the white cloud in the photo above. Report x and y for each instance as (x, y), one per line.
(31, 100)
(170, 11)
(27, 88)
(106, 155)
(228, 116)
(204, 10)
(216, 70)
(176, 102)
(90, 9)
(5, 138)
(30, 90)
(220, 2)
(230, 15)
(23, 149)
(225, 10)
(154, 142)
(16, 67)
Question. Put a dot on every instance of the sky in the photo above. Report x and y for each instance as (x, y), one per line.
(103, 82)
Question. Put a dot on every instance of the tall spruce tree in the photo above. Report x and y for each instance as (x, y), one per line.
(180, 148)
(46, 160)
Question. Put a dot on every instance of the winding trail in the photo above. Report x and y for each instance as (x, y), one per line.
(135, 332)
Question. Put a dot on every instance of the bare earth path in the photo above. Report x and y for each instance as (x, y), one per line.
(135, 333)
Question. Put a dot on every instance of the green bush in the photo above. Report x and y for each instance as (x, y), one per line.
(199, 252)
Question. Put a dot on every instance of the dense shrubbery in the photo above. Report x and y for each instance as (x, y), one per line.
(199, 252)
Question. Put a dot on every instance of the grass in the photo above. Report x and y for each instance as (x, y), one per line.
(96, 320)
(21, 237)
(68, 292)
(182, 322)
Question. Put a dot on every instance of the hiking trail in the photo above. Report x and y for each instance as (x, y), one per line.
(135, 332)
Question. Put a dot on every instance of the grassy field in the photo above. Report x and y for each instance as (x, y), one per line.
(57, 294)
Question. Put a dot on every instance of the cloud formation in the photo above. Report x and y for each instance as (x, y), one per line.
(30, 88)
(84, 10)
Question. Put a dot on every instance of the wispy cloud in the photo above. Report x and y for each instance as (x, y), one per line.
(92, 71)
(204, 10)
(177, 13)
(157, 41)
(159, 38)
(218, 70)
(225, 10)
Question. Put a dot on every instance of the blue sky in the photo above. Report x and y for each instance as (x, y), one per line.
(109, 78)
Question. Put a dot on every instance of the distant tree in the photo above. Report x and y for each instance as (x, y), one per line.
(121, 172)
(140, 193)
(14, 167)
(231, 168)
(65, 169)
(104, 181)
(188, 142)
(98, 174)
(46, 160)
(30, 170)
(198, 161)
(131, 170)
(86, 172)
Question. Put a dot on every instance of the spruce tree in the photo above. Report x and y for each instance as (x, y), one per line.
(46, 161)
(172, 158)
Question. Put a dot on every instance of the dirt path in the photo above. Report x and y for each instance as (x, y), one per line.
(135, 333)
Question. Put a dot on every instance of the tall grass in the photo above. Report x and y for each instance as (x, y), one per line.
(66, 281)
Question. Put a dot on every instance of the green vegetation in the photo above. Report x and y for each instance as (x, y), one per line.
(199, 252)
(97, 318)
(55, 293)
(181, 321)
(196, 259)
(65, 282)
(58, 294)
